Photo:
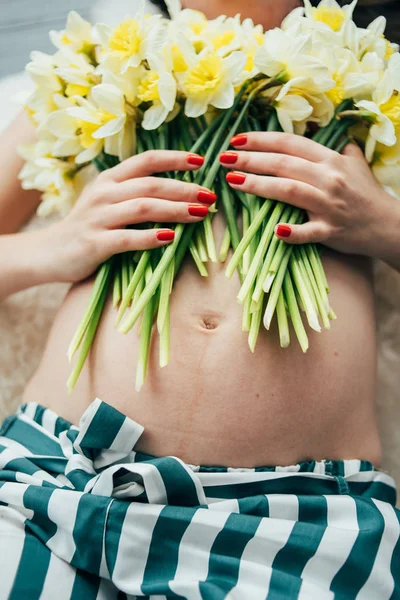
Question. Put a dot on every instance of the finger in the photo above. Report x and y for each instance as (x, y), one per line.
(155, 210)
(154, 161)
(160, 187)
(280, 165)
(283, 143)
(117, 241)
(353, 150)
(310, 232)
(296, 193)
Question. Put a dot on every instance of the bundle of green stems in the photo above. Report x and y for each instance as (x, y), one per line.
(276, 278)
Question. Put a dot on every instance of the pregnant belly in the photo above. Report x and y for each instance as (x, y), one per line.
(218, 404)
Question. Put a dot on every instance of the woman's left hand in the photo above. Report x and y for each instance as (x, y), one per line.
(348, 209)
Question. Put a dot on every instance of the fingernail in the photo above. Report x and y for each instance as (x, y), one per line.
(284, 231)
(206, 197)
(196, 160)
(229, 158)
(196, 210)
(165, 235)
(236, 178)
(239, 140)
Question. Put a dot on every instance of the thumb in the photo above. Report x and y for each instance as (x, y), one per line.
(307, 233)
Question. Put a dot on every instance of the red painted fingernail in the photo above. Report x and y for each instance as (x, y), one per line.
(165, 235)
(196, 160)
(239, 140)
(229, 158)
(236, 178)
(284, 231)
(206, 197)
(196, 210)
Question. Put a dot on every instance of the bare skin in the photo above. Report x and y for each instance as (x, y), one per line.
(216, 403)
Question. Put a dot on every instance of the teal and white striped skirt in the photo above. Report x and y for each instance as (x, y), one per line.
(85, 516)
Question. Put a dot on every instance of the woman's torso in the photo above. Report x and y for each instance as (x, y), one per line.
(216, 403)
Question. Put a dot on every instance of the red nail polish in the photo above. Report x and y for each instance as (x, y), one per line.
(236, 178)
(165, 235)
(196, 210)
(239, 140)
(229, 158)
(196, 160)
(206, 197)
(284, 231)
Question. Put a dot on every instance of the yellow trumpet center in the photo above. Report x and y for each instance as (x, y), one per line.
(178, 60)
(223, 39)
(148, 88)
(391, 109)
(126, 38)
(334, 17)
(336, 94)
(205, 76)
(74, 89)
(86, 130)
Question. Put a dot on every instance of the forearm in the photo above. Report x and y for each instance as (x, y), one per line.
(23, 262)
(16, 205)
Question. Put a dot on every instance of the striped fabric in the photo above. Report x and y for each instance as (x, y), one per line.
(85, 516)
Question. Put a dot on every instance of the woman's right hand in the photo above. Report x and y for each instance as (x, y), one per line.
(125, 195)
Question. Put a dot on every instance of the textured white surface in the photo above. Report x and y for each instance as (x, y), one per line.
(25, 318)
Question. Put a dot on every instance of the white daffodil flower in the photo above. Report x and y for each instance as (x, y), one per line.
(77, 36)
(76, 71)
(386, 165)
(292, 109)
(210, 81)
(372, 39)
(329, 15)
(288, 58)
(158, 87)
(54, 178)
(384, 109)
(130, 43)
(253, 40)
(41, 70)
(100, 121)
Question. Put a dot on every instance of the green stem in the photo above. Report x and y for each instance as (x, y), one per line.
(145, 336)
(90, 333)
(246, 239)
(117, 286)
(225, 246)
(165, 292)
(154, 281)
(303, 293)
(258, 292)
(283, 323)
(276, 288)
(311, 277)
(198, 262)
(98, 288)
(260, 252)
(297, 216)
(294, 312)
(139, 273)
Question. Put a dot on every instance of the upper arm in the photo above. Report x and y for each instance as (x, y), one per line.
(16, 205)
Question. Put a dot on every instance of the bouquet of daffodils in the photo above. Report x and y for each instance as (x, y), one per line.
(188, 83)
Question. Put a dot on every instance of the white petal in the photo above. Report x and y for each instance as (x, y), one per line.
(167, 90)
(61, 124)
(89, 154)
(234, 64)
(384, 132)
(285, 120)
(63, 148)
(195, 108)
(110, 128)
(224, 98)
(109, 98)
(154, 116)
(83, 115)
